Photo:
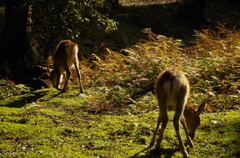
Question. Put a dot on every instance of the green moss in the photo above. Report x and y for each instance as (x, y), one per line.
(50, 132)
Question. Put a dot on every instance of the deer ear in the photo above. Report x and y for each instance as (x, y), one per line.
(201, 108)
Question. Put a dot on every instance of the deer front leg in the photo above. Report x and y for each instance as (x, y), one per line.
(59, 79)
(155, 132)
(79, 75)
(176, 121)
(68, 74)
(164, 118)
(189, 139)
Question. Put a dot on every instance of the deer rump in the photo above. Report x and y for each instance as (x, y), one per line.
(172, 87)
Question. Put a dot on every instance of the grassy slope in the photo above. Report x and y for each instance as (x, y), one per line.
(57, 125)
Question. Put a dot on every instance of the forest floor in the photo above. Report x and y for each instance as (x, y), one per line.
(48, 123)
(117, 114)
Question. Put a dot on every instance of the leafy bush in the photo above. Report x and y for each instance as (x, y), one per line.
(211, 65)
(215, 57)
(70, 19)
(130, 74)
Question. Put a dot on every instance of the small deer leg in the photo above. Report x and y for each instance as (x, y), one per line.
(164, 118)
(176, 121)
(78, 74)
(59, 79)
(155, 132)
(189, 139)
(68, 73)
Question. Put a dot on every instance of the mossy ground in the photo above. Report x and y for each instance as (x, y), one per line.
(58, 125)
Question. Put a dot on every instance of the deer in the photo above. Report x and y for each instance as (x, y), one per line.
(172, 91)
(65, 56)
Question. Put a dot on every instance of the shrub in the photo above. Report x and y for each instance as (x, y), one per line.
(211, 65)
(215, 58)
(130, 74)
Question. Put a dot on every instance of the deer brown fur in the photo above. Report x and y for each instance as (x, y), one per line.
(172, 91)
(65, 56)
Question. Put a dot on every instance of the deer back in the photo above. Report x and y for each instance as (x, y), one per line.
(171, 87)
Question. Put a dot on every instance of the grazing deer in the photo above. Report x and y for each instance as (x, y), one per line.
(172, 91)
(65, 56)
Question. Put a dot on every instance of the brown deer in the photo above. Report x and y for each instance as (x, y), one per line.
(172, 91)
(65, 56)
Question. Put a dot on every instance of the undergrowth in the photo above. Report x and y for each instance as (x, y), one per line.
(211, 63)
(131, 73)
(216, 56)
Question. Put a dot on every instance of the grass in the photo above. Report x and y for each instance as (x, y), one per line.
(50, 128)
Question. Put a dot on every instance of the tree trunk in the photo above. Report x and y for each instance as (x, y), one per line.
(18, 49)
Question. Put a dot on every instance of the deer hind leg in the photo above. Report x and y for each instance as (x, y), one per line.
(78, 74)
(68, 75)
(189, 139)
(58, 80)
(164, 118)
(155, 132)
(176, 120)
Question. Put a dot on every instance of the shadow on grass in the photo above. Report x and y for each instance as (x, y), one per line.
(56, 95)
(22, 100)
(152, 153)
